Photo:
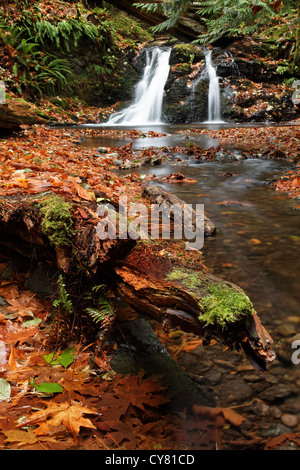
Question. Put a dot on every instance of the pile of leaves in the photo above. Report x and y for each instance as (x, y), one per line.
(62, 398)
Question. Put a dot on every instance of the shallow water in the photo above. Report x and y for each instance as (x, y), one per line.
(257, 244)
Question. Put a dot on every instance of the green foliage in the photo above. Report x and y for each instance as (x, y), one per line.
(103, 308)
(34, 72)
(220, 303)
(57, 223)
(171, 9)
(64, 359)
(233, 19)
(63, 304)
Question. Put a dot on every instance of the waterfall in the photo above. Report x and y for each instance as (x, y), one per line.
(214, 101)
(146, 107)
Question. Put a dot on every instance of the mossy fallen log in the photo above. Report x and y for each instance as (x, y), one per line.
(178, 295)
(18, 112)
(147, 275)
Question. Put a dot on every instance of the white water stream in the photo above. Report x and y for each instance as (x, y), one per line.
(146, 107)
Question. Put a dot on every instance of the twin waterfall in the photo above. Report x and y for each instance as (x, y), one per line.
(146, 107)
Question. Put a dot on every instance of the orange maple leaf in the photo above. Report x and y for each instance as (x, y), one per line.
(56, 414)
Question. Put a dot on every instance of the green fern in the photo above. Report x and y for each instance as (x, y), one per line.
(103, 310)
(233, 19)
(63, 304)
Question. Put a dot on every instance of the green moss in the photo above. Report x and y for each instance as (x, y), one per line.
(57, 223)
(224, 305)
(220, 302)
(186, 52)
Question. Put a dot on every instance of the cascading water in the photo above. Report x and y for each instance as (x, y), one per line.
(214, 99)
(146, 107)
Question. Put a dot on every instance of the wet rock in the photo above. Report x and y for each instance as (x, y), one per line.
(113, 155)
(260, 409)
(289, 420)
(277, 393)
(142, 351)
(225, 157)
(236, 391)
(42, 282)
(18, 112)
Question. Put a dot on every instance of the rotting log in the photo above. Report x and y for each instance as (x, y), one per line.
(154, 282)
(16, 113)
(149, 276)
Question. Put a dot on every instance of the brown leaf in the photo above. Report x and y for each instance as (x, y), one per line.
(19, 437)
(55, 414)
(227, 413)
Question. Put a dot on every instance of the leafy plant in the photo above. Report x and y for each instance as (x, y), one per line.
(64, 359)
(63, 304)
(171, 9)
(46, 387)
(103, 308)
(35, 72)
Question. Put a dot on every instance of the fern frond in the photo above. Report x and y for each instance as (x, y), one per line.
(96, 315)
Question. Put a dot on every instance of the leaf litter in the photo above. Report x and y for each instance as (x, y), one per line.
(89, 407)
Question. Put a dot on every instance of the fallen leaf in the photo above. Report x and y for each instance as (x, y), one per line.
(55, 414)
(19, 437)
(255, 241)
